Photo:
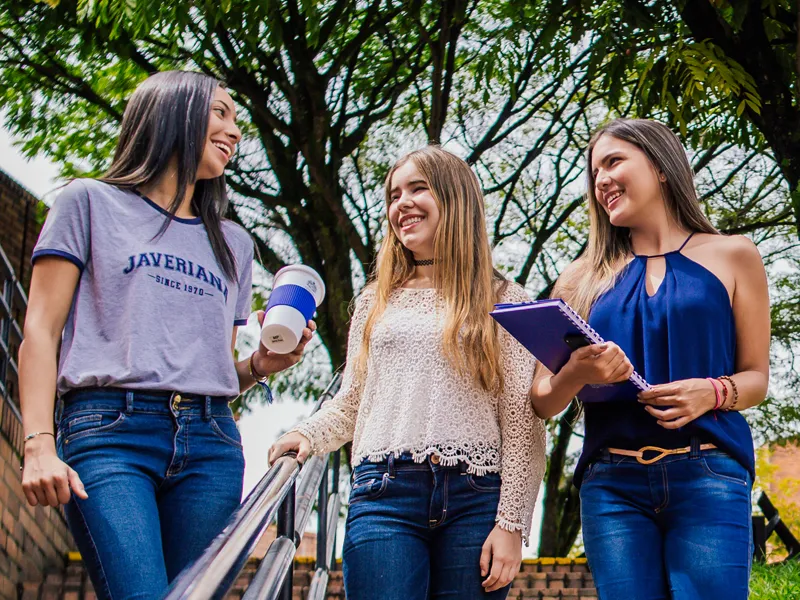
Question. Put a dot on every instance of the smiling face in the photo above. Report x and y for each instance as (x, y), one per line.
(413, 211)
(626, 184)
(222, 138)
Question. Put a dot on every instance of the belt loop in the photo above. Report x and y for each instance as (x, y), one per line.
(694, 444)
(390, 465)
(462, 467)
(207, 408)
(129, 402)
(606, 456)
(59, 410)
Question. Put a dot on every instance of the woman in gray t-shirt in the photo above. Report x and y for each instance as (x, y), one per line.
(143, 282)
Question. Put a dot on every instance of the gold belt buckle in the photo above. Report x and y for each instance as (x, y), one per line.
(662, 453)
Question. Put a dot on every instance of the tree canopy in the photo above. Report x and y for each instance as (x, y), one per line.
(332, 92)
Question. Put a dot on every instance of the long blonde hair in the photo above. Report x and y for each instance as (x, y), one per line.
(609, 247)
(462, 272)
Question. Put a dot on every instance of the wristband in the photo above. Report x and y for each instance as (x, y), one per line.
(261, 380)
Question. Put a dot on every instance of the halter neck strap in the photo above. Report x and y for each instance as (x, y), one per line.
(683, 245)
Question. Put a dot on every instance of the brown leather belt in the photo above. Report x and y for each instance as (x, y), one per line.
(639, 454)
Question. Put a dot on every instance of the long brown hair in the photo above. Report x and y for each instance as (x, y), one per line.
(462, 273)
(609, 247)
(168, 116)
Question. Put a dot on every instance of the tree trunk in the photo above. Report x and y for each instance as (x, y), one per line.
(561, 517)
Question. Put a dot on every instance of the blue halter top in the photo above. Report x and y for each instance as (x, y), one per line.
(686, 329)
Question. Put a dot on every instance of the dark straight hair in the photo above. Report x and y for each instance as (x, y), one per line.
(168, 116)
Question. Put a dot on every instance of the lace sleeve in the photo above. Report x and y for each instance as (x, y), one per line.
(333, 425)
(522, 433)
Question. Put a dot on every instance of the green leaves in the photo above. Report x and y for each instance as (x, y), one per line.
(706, 78)
(331, 92)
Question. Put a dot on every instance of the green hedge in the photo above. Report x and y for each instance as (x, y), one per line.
(775, 582)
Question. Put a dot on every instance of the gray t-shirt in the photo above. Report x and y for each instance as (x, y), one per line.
(149, 312)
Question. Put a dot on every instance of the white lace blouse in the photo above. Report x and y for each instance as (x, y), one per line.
(412, 400)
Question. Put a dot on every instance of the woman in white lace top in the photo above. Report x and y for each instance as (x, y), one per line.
(435, 400)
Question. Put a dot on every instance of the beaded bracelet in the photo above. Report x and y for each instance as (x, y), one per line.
(735, 391)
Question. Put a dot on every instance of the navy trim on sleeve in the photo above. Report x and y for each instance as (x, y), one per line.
(61, 254)
(239, 322)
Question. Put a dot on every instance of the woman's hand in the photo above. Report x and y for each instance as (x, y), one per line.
(680, 402)
(291, 442)
(598, 364)
(46, 480)
(267, 362)
(503, 551)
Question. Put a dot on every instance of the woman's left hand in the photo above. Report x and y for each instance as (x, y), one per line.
(680, 402)
(503, 550)
(268, 362)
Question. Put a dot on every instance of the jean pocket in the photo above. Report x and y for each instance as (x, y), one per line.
(366, 471)
(725, 468)
(81, 425)
(491, 482)
(590, 471)
(368, 488)
(225, 429)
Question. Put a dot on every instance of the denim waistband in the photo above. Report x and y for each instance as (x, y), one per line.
(405, 462)
(141, 401)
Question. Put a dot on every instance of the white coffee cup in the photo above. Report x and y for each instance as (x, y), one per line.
(284, 322)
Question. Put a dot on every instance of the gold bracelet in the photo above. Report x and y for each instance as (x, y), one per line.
(30, 436)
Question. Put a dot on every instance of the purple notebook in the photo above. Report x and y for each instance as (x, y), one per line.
(551, 330)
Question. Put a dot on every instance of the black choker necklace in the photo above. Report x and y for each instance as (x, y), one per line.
(423, 263)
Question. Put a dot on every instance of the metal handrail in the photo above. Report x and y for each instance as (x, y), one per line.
(13, 305)
(285, 491)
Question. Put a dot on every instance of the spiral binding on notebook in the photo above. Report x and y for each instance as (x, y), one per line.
(594, 337)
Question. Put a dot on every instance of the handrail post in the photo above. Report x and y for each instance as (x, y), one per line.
(322, 521)
(5, 328)
(337, 460)
(285, 528)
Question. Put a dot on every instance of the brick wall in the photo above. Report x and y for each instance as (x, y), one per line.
(33, 541)
(21, 215)
(786, 461)
(543, 578)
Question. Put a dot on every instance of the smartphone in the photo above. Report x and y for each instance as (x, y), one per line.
(576, 340)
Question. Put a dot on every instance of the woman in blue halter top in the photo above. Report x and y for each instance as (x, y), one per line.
(664, 482)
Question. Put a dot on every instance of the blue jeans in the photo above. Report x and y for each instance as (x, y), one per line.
(415, 531)
(163, 478)
(680, 528)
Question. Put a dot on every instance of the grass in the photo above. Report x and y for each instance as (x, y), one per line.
(775, 582)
